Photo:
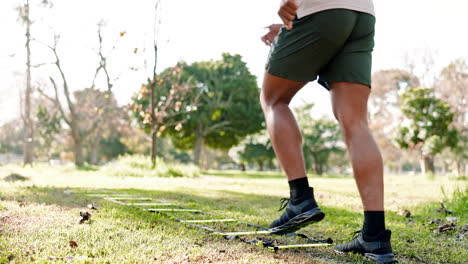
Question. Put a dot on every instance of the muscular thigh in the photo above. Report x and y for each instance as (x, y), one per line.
(278, 90)
(349, 100)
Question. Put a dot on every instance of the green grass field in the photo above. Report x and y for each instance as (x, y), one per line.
(39, 217)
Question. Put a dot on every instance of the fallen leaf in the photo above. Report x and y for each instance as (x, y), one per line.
(73, 244)
(445, 228)
(451, 219)
(435, 221)
(85, 216)
(442, 209)
(91, 206)
(463, 232)
(464, 229)
(405, 213)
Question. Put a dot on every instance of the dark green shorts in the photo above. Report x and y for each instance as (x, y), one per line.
(336, 45)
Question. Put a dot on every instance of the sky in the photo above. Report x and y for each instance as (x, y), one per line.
(202, 30)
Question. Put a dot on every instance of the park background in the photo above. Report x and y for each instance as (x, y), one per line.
(84, 106)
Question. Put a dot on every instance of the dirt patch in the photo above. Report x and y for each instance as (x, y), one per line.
(24, 218)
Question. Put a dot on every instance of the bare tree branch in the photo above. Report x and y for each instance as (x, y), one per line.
(42, 64)
(58, 104)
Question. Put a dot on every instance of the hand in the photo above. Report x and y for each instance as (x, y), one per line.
(287, 12)
(270, 36)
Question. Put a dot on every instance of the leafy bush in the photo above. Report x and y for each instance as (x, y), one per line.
(140, 166)
(14, 177)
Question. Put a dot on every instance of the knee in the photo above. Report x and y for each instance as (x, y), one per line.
(270, 102)
(263, 101)
(350, 122)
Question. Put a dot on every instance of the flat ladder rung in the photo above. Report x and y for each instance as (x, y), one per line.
(128, 198)
(107, 194)
(151, 204)
(208, 221)
(243, 233)
(300, 246)
(172, 210)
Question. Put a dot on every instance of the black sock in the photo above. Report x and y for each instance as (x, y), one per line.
(374, 223)
(298, 187)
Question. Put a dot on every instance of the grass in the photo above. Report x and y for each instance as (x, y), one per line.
(39, 217)
(140, 166)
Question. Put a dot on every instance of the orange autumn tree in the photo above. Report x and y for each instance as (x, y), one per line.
(170, 97)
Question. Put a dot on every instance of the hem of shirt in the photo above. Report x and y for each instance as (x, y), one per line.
(316, 9)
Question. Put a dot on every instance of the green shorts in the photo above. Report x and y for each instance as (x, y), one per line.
(336, 45)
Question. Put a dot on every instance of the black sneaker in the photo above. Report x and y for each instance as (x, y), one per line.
(378, 249)
(299, 213)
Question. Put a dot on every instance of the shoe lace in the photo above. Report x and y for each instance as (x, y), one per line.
(356, 233)
(284, 202)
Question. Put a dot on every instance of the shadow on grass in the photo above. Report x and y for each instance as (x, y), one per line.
(413, 240)
(265, 174)
(87, 167)
(257, 209)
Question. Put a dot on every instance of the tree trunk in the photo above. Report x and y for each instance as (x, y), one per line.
(79, 158)
(427, 164)
(27, 120)
(198, 146)
(316, 165)
(242, 166)
(154, 148)
(459, 168)
(93, 155)
(319, 169)
(260, 165)
(400, 166)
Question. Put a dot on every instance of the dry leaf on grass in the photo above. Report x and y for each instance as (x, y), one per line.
(92, 206)
(405, 213)
(73, 244)
(435, 221)
(85, 216)
(442, 209)
(451, 219)
(445, 228)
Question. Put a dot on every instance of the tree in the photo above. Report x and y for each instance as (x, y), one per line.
(24, 12)
(48, 127)
(11, 136)
(160, 104)
(258, 153)
(228, 109)
(384, 111)
(71, 114)
(321, 138)
(452, 87)
(28, 153)
(427, 126)
(99, 106)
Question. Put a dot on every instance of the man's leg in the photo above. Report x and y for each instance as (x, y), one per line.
(286, 138)
(284, 132)
(349, 102)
